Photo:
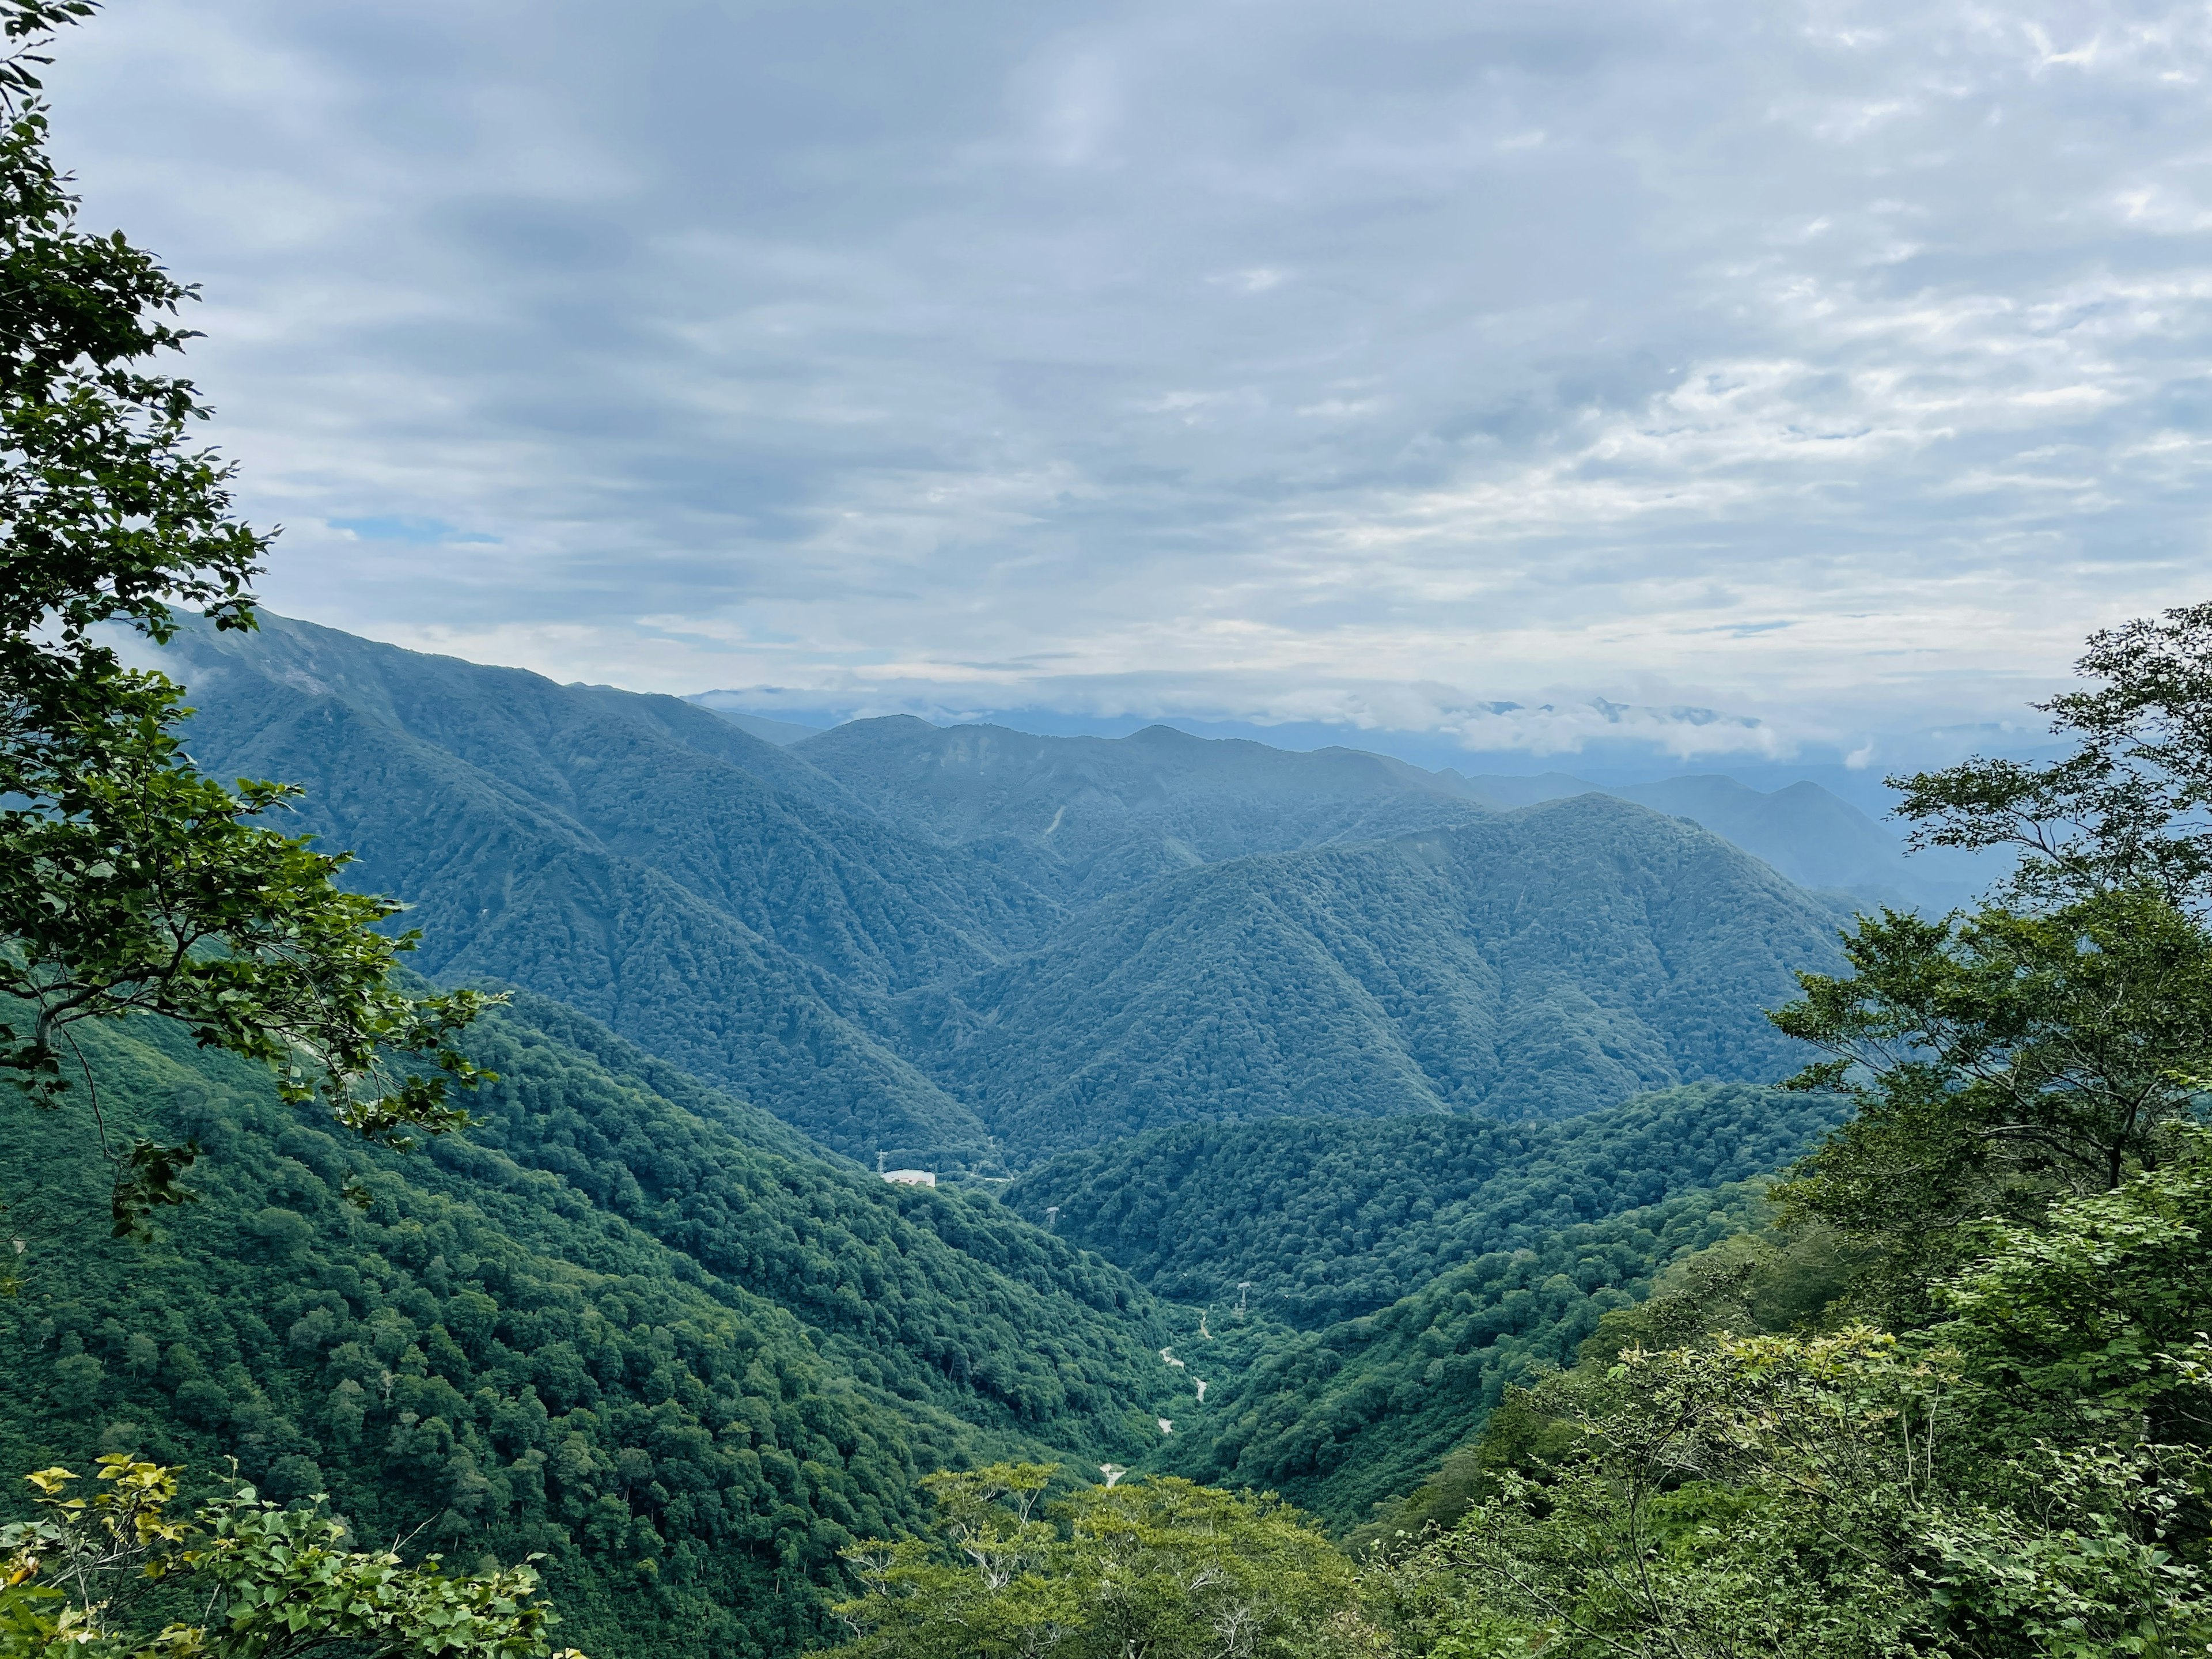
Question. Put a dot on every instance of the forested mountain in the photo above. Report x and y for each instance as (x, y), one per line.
(637, 858)
(1808, 834)
(1527, 964)
(859, 948)
(1316, 1220)
(657, 1341)
(1087, 816)
(1344, 1418)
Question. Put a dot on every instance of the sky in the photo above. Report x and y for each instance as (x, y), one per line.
(1743, 381)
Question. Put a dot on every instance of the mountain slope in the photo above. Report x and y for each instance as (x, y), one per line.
(695, 889)
(766, 839)
(1527, 964)
(1314, 1221)
(1340, 1419)
(682, 1359)
(1087, 817)
(1808, 834)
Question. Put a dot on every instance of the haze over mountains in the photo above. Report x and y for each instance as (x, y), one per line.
(970, 948)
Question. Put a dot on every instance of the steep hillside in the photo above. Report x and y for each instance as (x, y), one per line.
(1528, 964)
(1311, 1221)
(654, 1341)
(847, 931)
(1087, 817)
(1340, 1419)
(694, 888)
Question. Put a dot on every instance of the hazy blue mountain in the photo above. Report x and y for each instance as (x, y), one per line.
(1811, 835)
(1318, 1220)
(638, 1331)
(783, 732)
(1084, 817)
(1087, 817)
(1535, 964)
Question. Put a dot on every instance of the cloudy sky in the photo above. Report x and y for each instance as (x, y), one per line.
(1834, 367)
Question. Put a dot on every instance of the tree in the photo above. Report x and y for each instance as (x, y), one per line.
(2045, 1043)
(265, 1583)
(2130, 806)
(1158, 1569)
(1999, 1061)
(128, 883)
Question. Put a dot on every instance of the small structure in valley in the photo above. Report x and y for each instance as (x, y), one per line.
(912, 1177)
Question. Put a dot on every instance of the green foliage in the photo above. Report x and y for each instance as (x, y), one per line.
(663, 1347)
(1995, 1486)
(1530, 964)
(1998, 1060)
(1315, 1220)
(2091, 1322)
(1157, 1567)
(2128, 806)
(1750, 1282)
(1343, 1418)
(130, 883)
(268, 1582)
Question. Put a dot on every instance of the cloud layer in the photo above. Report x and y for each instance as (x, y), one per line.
(1832, 366)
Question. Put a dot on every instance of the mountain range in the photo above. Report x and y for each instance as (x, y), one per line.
(985, 783)
(969, 949)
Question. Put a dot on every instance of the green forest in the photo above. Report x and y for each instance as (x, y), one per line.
(1312, 1221)
(686, 1367)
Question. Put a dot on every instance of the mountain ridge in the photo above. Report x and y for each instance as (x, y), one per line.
(1250, 932)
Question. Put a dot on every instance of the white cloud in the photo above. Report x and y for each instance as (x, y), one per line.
(1834, 368)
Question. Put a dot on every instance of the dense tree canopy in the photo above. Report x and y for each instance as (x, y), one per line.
(664, 1345)
(1157, 1567)
(1315, 1220)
